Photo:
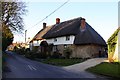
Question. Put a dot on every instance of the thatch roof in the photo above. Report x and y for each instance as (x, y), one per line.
(89, 36)
(72, 27)
(39, 35)
(65, 28)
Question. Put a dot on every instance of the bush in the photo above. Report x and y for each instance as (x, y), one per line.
(67, 52)
(56, 54)
(42, 55)
(20, 51)
(30, 55)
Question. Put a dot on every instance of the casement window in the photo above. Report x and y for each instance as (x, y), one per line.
(67, 38)
(55, 39)
(37, 41)
(55, 48)
(65, 45)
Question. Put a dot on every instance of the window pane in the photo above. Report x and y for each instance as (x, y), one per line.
(67, 38)
(55, 39)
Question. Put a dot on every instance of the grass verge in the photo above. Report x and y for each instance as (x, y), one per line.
(105, 68)
(62, 62)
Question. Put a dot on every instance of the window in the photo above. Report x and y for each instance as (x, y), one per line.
(55, 48)
(67, 38)
(65, 45)
(37, 41)
(55, 39)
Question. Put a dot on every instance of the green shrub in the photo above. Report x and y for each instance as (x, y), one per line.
(67, 52)
(56, 54)
(20, 51)
(30, 54)
(42, 55)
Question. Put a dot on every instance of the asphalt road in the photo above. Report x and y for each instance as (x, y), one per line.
(20, 67)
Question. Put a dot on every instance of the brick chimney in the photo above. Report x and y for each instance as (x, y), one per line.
(44, 25)
(83, 23)
(57, 20)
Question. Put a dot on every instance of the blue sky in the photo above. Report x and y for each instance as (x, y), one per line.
(102, 16)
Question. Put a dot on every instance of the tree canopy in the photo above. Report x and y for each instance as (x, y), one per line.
(12, 20)
(12, 15)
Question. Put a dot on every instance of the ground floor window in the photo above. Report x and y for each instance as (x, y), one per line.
(55, 48)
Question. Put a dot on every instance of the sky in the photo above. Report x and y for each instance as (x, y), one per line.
(101, 15)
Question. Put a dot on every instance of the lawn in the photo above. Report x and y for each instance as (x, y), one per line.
(62, 62)
(108, 69)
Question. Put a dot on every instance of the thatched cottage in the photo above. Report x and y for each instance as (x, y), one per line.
(37, 39)
(78, 35)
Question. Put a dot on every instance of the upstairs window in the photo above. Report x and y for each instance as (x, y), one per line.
(67, 38)
(55, 39)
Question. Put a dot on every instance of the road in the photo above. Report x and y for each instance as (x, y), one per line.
(20, 67)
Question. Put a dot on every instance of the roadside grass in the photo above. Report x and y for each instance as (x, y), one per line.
(62, 62)
(107, 69)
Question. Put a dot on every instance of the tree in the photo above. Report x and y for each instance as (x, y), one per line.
(12, 15)
(7, 37)
(12, 20)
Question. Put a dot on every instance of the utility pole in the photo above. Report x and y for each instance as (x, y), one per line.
(25, 35)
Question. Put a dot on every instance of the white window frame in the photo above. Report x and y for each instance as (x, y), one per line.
(67, 38)
(55, 39)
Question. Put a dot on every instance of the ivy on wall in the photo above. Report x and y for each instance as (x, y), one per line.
(112, 41)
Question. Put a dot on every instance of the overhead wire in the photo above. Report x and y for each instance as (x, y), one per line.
(49, 15)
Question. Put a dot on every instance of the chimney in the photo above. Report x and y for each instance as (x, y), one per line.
(57, 20)
(83, 23)
(44, 25)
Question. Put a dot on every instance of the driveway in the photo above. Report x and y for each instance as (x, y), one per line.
(21, 67)
(81, 67)
(87, 64)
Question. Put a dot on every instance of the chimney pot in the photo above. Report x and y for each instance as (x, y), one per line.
(57, 20)
(83, 23)
(44, 25)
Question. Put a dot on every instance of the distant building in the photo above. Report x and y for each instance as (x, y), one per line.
(18, 45)
(10, 47)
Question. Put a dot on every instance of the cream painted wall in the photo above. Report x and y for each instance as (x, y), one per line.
(119, 46)
(116, 55)
(61, 40)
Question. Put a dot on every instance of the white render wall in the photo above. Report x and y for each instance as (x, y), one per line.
(30, 46)
(61, 40)
(37, 43)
